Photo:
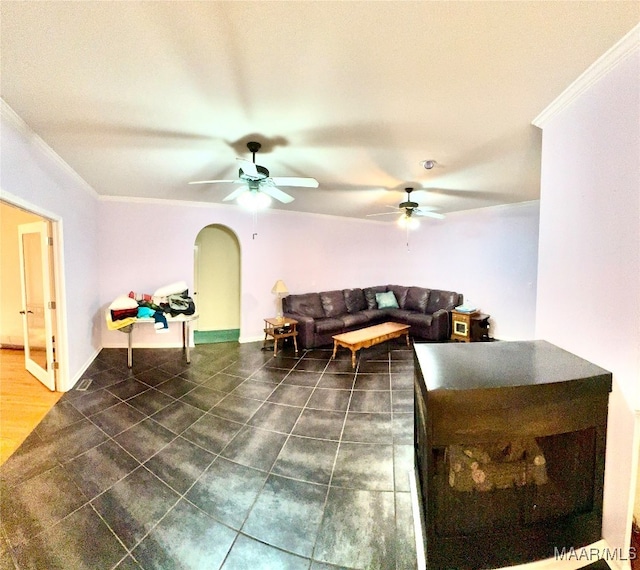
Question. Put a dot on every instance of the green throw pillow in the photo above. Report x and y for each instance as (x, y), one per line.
(386, 300)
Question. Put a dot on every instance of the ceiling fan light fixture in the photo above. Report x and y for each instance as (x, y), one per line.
(408, 222)
(254, 200)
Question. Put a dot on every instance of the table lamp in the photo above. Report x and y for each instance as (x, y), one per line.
(279, 289)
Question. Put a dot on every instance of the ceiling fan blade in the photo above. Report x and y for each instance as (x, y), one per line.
(250, 168)
(294, 181)
(276, 193)
(215, 181)
(429, 214)
(384, 214)
(235, 193)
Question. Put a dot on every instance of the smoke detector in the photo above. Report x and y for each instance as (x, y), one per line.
(428, 164)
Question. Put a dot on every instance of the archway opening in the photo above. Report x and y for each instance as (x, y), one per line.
(217, 285)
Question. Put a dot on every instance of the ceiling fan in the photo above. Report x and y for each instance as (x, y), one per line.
(255, 179)
(411, 209)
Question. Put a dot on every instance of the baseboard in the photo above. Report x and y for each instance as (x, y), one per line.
(212, 337)
(418, 531)
(173, 344)
(73, 381)
(597, 565)
(244, 339)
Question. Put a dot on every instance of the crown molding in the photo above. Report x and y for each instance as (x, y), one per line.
(8, 114)
(605, 63)
(228, 207)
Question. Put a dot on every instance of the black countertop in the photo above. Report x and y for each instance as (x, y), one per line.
(505, 364)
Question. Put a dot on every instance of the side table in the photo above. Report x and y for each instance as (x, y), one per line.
(469, 327)
(280, 328)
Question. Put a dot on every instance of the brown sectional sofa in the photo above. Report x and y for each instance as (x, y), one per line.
(327, 313)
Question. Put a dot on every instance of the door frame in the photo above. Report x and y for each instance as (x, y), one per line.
(57, 266)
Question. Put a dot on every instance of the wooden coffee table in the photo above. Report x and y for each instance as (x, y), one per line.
(369, 336)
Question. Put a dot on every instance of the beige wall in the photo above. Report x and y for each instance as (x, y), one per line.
(10, 296)
(218, 279)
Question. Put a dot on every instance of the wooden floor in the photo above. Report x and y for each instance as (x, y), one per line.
(24, 401)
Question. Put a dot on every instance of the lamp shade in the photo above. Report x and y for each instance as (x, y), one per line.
(279, 287)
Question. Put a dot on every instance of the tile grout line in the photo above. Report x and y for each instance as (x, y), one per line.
(183, 496)
(270, 472)
(335, 460)
(216, 456)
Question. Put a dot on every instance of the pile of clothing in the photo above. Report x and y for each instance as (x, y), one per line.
(170, 300)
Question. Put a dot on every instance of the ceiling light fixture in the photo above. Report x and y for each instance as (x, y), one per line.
(428, 164)
(254, 200)
(408, 221)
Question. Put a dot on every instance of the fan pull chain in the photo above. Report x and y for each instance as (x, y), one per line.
(255, 223)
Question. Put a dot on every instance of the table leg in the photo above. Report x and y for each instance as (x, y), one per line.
(295, 343)
(353, 358)
(130, 348)
(185, 340)
(407, 333)
(335, 348)
(275, 346)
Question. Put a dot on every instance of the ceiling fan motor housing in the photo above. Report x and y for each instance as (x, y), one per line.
(261, 170)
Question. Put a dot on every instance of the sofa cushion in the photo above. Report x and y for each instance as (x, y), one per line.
(307, 304)
(417, 299)
(328, 325)
(333, 303)
(355, 300)
(400, 291)
(441, 300)
(355, 320)
(376, 315)
(398, 315)
(419, 320)
(370, 295)
(387, 300)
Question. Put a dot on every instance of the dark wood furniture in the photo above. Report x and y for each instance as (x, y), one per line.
(280, 328)
(469, 327)
(483, 395)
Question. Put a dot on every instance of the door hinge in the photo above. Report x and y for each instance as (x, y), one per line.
(50, 240)
(55, 365)
(52, 304)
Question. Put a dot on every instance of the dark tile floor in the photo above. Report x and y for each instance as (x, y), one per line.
(237, 461)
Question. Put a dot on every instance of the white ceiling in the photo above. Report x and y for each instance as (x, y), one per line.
(140, 98)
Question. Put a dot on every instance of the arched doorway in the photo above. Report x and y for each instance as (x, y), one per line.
(217, 285)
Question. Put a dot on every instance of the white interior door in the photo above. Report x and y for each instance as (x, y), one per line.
(36, 301)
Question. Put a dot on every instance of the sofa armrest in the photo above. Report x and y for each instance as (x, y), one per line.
(306, 328)
(441, 324)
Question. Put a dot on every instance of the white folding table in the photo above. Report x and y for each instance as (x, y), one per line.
(186, 328)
